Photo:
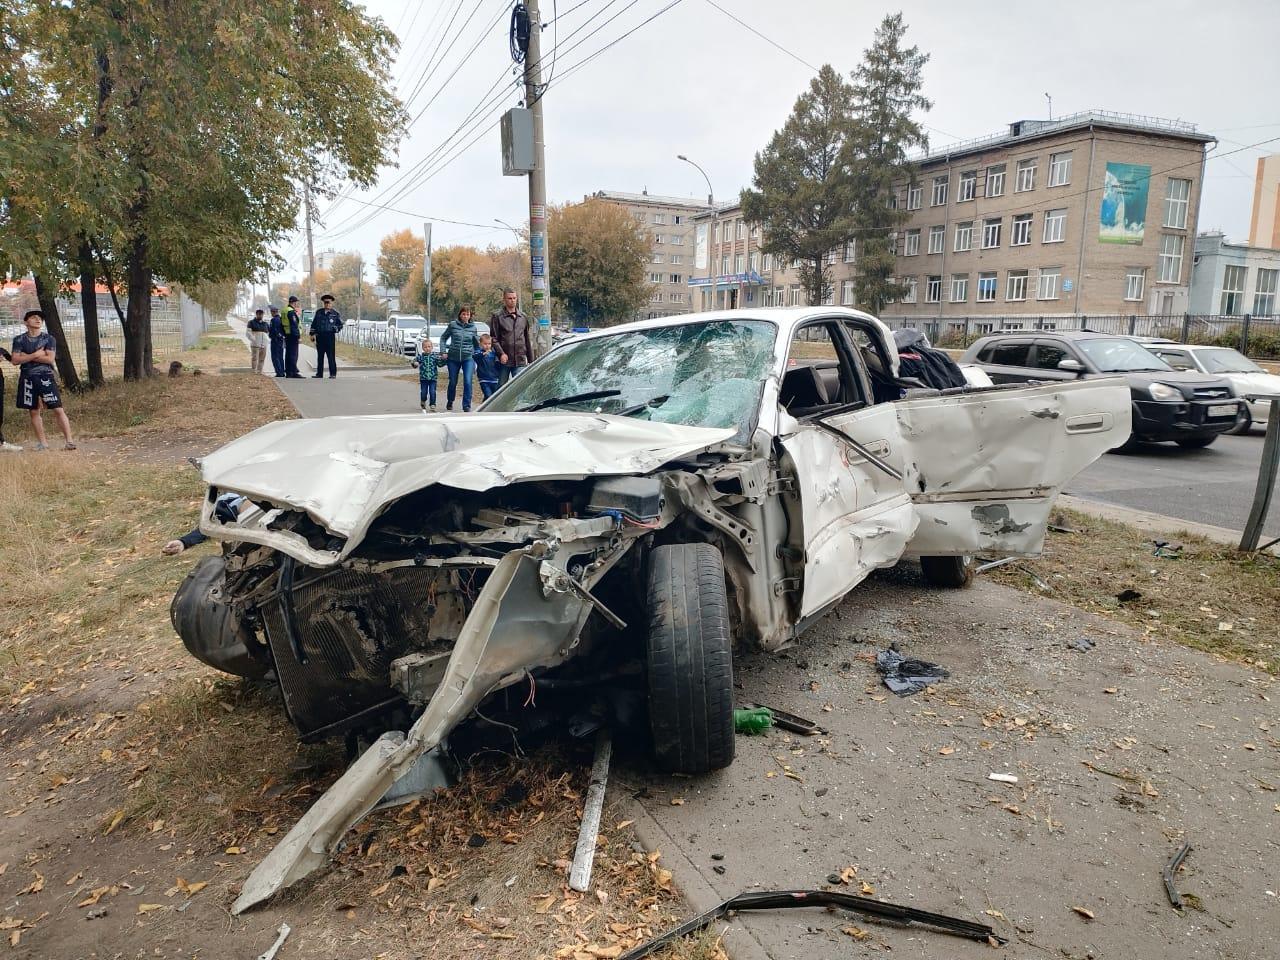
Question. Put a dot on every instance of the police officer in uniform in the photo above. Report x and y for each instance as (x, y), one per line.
(324, 332)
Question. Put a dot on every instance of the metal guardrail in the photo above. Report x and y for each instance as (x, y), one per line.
(380, 338)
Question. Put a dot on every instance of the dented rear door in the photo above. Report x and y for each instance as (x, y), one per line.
(983, 469)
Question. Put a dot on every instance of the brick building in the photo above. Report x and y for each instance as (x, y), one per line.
(1094, 213)
(669, 223)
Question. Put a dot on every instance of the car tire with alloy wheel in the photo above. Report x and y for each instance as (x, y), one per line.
(690, 659)
(1195, 443)
(949, 572)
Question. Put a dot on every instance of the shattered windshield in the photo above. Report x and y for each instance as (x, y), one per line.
(696, 374)
(1120, 355)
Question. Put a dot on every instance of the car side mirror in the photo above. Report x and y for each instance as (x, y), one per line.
(1073, 366)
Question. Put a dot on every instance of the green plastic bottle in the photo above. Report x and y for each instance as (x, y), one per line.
(752, 722)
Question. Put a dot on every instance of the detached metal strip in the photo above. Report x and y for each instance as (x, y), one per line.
(1170, 869)
(865, 453)
(787, 899)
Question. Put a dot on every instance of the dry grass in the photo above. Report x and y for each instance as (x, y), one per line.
(1210, 598)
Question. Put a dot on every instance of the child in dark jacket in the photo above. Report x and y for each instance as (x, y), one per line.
(428, 365)
(487, 366)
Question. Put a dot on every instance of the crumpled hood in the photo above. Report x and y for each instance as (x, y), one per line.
(343, 470)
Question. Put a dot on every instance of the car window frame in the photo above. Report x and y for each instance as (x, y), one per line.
(847, 353)
(1187, 355)
(1028, 341)
(1063, 345)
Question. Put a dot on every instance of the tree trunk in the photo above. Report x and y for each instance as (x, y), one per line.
(46, 294)
(137, 315)
(89, 309)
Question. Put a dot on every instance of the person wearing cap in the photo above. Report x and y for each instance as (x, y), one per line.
(258, 331)
(324, 331)
(275, 332)
(292, 328)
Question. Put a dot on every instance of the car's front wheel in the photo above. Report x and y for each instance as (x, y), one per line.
(949, 572)
(690, 659)
(1195, 443)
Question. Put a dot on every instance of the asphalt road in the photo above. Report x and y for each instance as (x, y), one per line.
(1214, 485)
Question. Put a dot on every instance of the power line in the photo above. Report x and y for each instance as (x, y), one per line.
(556, 16)
(461, 63)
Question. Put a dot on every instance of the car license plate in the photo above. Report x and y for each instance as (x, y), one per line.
(1223, 410)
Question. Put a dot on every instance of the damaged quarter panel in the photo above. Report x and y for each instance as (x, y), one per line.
(984, 469)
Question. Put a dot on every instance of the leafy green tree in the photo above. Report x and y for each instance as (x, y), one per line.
(216, 296)
(598, 252)
(886, 92)
(180, 136)
(398, 253)
(803, 191)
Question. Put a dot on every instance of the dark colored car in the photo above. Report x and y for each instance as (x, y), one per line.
(1189, 408)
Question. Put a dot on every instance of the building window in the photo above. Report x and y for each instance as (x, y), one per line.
(1169, 263)
(1232, 290)
(659, 218)
(911, 245)
(724, 264)
(1016, 287)
(1055, 226)
(716, 232)
(676, 278)
(937, 238)
(1264, 293)
(768, 261)
(659, 238)
(990, 233)
(1020, 234)
(846, 293)
(677, 240)
(964, 236)
(849, 251)
(753, 261)
(755, 231)
(967, 188)
(830, 257)
(1047, 283)
(740, 263)
(959, 287)
(655, 297)
(1026, 176)
(986, 287)
(655, 278)
(795, 294)
(677, 258)
(1177, 197)
(657, 258)
(914, 194)
(939, 197)
(1059, 169)
(909, 291)
(995, 181)
(933, 289)
(677, 219)
(742, 230)
(829, 298)
(1135, 278)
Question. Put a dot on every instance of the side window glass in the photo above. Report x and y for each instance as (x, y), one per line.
(1010, 354)
(1175, 359)
(1049, 355)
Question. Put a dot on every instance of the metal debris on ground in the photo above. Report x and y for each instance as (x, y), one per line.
(1167, 550)
(992, 564)
(271, 952)
(585, 855)
(904, 675)
(787, 899)
(1170, 869)
(753, 721)
(790, 721)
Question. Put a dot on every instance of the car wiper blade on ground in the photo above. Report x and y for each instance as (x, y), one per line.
(637, 407)
(572, 398)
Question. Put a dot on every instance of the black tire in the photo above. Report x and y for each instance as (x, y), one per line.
(208, 628)
(1195, 443)
(690, 659)
(1244, 423)
(950, 572)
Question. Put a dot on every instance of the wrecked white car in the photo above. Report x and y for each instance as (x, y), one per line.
(654, 492)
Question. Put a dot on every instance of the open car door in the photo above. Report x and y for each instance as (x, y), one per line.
(984, 468)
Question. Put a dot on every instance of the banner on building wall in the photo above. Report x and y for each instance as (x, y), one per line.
(1123, 217)
(700, 247)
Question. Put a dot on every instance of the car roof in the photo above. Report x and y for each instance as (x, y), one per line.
(787, 319)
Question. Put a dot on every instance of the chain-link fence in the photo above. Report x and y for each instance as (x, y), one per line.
(1256, 337)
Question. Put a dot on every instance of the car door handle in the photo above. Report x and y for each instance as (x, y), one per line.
(879, 447)
(1089, 423)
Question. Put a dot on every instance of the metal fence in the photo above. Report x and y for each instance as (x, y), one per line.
(1257, 337)
(380, 337)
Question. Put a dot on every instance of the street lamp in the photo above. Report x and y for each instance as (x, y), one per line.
(711, 230)
(519, 242)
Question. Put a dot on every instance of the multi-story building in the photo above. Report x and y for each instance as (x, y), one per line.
(669, 223)
(731, 271)
(1264, 227)
(1234, 279)
(1093, 213)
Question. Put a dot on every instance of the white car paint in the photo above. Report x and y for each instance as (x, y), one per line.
(1243, 384)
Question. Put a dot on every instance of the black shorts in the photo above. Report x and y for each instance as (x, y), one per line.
(38, 388)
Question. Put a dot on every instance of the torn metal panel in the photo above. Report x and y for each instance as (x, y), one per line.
(513, 627)
(343, 471)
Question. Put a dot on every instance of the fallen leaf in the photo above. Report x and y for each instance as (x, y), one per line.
(947, 751)
(677, 801)
(1110, 690)
(235, 850)
(543, 903)
(36, 885)
(115, 820)
(433, 883)
(995, 913)
(150, 907)
(94, 896)
(1250, 746)
(848, 874)
(856, 932)
(380, 890)
(602, 896)
(868, 889)
(1084, 912)
(622, 825)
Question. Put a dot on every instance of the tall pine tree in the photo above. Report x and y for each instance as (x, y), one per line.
(803, 194)
(886, 92)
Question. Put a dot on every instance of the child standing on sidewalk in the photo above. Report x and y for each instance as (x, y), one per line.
(428, 365)
(487, 366)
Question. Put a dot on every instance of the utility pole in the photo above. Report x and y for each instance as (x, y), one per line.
(359, 290)
(311, 254)
(540, 276)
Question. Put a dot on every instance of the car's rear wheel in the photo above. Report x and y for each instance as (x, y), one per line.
(1195, 443)
(1244, 422)
(690, 659)
(950, 572)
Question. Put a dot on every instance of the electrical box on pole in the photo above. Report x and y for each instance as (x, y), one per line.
(517, 142)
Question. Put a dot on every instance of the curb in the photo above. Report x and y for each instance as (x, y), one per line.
(739, 943)
(1154, 522)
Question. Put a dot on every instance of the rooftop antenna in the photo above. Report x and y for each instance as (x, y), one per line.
(1049, 97)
